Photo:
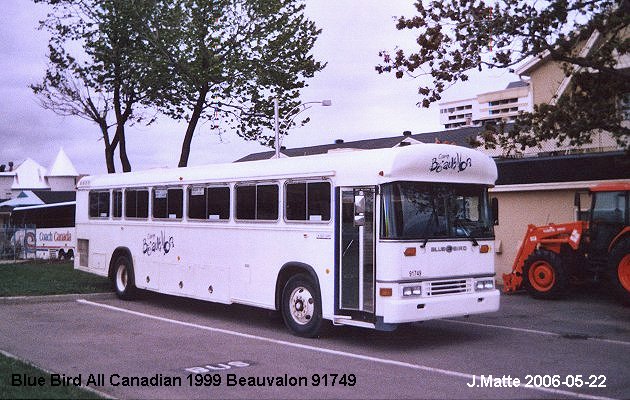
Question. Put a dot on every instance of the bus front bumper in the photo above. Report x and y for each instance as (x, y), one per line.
(401, 310)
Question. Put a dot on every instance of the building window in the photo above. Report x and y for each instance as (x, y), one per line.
(136, 203)
(308, 201)
(505, 101)
(257, 202)
(209, 203)
(98, 204)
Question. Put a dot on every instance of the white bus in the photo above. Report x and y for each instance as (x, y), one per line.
(369, 238)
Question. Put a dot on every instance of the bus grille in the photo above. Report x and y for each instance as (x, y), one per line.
(454, 286)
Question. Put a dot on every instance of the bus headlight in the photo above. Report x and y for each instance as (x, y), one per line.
(484, 284)
(412, 291)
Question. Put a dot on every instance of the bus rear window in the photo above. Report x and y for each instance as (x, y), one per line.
(209, 203)
(136, 203)
(99, 204)
(168, 203)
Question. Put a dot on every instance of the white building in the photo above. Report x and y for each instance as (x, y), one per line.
(500, 105)
(30, 175)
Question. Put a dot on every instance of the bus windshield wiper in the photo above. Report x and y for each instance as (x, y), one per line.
(458, 223)
(425, 233)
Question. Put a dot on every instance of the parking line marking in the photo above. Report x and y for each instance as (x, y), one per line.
(331, 351)
(547, 333)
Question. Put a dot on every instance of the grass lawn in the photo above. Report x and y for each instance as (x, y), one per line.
(10, 366)
(39, 278)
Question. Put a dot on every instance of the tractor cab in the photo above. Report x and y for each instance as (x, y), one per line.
(608, 219)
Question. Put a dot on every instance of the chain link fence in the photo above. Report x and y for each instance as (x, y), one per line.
(17, 242)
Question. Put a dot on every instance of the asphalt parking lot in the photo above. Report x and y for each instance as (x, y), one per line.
(165, 347)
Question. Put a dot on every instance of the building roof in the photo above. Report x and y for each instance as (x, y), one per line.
(30, 175)
(62, 166)
(37, 198)
(25, 198)
(519, 171)
(460, 137)
(51, 197)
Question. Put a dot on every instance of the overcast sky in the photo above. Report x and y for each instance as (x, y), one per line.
(364, 104)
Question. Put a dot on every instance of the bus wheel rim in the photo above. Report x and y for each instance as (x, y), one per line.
(623, 272)
(121, 277)
(541, 276)
(302, 305)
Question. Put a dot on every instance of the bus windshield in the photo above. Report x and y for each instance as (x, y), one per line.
(423, 211)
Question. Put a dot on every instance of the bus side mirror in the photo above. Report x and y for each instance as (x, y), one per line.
(359, 204)
(494, 206)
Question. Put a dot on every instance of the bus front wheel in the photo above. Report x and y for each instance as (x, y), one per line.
(123, 278)
(301, 306)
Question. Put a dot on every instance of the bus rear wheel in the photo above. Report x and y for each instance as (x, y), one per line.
(123, 278)
(545, 276)
(619, 268)
(301, 306)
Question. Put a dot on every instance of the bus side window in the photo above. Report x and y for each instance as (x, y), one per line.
(136, 203)
(218, 203)
(318, 201)
(168, 203)
(257, 202)
(197, 202)
(117, 202)
(308, 201)
(209, 203)
(99, 204)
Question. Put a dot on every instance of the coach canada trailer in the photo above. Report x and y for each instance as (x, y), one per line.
(371, 238)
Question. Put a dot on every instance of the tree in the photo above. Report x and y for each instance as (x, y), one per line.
(226, 60)
(105, 76)
(456, 37)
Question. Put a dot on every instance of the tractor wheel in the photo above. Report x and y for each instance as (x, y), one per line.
(619, 269)
(545, 276)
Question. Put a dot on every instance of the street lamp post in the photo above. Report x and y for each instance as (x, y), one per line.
(276, 112)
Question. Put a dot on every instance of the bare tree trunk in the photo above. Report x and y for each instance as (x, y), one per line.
(109, 148)
(120, 135)
(121, 120)
(192, 124)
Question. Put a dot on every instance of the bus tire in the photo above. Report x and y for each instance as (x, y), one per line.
(619, 269)
(301, 306)
(123, 278)
(545, 276)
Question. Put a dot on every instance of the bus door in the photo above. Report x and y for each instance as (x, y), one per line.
(355, 274)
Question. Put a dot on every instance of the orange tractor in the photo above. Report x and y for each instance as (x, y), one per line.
(554, 255)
